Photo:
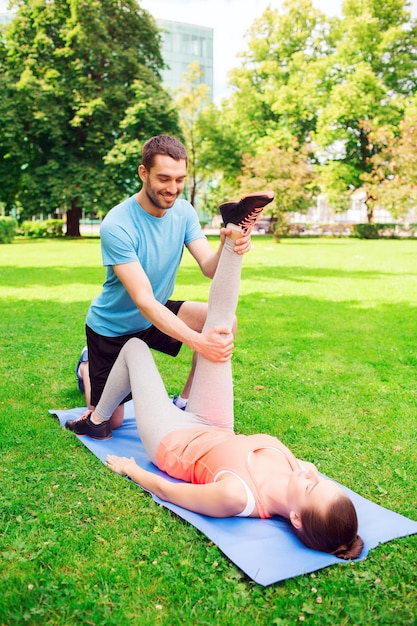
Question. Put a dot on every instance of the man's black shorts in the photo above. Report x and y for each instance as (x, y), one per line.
(103, 351)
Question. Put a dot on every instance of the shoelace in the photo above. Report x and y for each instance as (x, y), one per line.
(250, 219)
(84, 416)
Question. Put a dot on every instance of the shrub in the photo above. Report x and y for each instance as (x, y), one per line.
(8, 228)
(318, 230)
(48, 228)
(413, 229)
(377, 231)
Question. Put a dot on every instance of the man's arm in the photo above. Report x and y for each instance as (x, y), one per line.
(214, 344)
(224, 498)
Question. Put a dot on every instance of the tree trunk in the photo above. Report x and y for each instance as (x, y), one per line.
(192, 190)
(73, 220)
(370, 203)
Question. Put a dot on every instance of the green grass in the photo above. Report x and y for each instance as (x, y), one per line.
(325, 358)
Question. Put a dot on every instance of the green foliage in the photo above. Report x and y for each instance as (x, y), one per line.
(375, 231)
(214, 150)
(275, 97)
(37, 229)
(8, 227)
(74, 70)
(191, 99)
(325, 358)
(276, 86)
(286, 171)
(222, 148)
(318, 230)
(338, 180)
(366, 231)
(152, 112)
(375, 53)
(80, 91)
(331, 86)
(393, 178)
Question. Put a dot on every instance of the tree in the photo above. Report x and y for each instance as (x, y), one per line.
(393, 176)
(151, 113)
(287, 172)
(221, 154)
(191, 100)
(279, 87)
(326, 84)
(279, 90)
(213, 148)
(372, 75)
(11, 156)
(74, 70)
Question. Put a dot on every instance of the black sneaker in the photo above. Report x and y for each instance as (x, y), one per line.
(246, 212)
(84, 426)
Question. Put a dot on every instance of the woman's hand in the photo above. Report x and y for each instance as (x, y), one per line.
(119, 464)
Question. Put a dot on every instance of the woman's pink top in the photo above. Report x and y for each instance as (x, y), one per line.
(201, 455)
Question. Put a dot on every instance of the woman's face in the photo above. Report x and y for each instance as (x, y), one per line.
(306, 489)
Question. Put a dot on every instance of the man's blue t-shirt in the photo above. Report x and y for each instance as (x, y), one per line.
(128, 233)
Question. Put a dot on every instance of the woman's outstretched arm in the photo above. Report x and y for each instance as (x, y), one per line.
(224, 498)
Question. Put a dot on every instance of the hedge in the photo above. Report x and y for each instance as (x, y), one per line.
(48, 228)
(8, 227)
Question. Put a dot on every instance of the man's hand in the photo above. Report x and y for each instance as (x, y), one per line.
(242, 244)
(216, 344)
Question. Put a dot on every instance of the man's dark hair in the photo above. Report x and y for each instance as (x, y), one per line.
(162, 144)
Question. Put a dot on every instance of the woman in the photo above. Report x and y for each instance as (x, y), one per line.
(225, 474)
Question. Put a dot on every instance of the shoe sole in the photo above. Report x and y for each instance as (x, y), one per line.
(95, 438)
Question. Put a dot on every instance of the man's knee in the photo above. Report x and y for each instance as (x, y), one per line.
(193, 314)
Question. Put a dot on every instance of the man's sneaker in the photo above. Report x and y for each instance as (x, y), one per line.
(246, 212)
(175, 400)
(84, 426)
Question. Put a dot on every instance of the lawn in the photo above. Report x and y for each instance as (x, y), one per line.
(325, 358)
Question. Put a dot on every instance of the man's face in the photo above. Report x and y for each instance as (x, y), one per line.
(164, 182)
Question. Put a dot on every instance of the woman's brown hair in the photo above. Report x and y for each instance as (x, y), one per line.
(335, 531)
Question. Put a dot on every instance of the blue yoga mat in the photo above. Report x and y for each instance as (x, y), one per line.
(265, 549)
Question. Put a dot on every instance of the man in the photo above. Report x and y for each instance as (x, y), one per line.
(142, 242)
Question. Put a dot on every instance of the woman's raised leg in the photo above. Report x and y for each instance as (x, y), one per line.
(211, 396)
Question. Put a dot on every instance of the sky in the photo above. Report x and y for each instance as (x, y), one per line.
(230, 20)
